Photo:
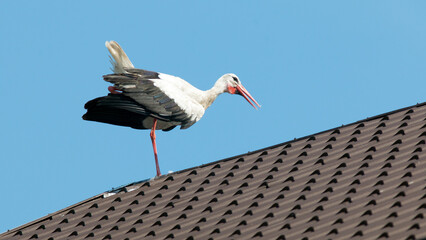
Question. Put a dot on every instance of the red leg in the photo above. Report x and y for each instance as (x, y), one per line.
(154, 145)
(113, 90)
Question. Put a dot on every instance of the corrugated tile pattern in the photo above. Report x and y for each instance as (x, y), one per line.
(366, 180)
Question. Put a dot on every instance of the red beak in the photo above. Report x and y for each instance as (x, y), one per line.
(243, 92)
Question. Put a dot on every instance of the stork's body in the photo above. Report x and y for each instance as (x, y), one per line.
(144, 99)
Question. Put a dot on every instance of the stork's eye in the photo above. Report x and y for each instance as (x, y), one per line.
(236, 79)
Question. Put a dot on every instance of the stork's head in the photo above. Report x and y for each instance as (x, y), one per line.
(234, 86)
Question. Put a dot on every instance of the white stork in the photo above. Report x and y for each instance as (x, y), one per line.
(144, 99)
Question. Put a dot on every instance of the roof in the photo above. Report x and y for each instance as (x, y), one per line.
(365, 180)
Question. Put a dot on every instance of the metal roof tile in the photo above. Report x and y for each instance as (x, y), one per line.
(362, 180)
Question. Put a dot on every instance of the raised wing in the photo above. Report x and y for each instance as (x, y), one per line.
(163, 99)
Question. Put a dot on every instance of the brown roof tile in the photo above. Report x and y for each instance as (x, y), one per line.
(365, 180)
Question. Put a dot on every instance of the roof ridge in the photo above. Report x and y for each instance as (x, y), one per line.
(105, 194)
(122, 187)
(134, 185)
(42, 219)
(297, 139)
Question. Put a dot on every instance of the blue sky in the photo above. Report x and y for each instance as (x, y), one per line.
(312, 65)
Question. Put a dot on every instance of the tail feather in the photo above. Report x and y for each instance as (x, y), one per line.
(119, 59)
(116, 109)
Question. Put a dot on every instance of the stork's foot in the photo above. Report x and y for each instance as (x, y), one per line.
(113, 90)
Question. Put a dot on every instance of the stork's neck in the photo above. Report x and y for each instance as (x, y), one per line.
(210, 95)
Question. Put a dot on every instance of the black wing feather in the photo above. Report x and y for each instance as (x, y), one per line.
(119, 110)
(138, 85)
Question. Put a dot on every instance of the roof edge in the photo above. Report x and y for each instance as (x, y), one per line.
(123, 187)
(298, 139)
(50, 215)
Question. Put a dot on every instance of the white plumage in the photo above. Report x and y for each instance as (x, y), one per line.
(144, 99)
